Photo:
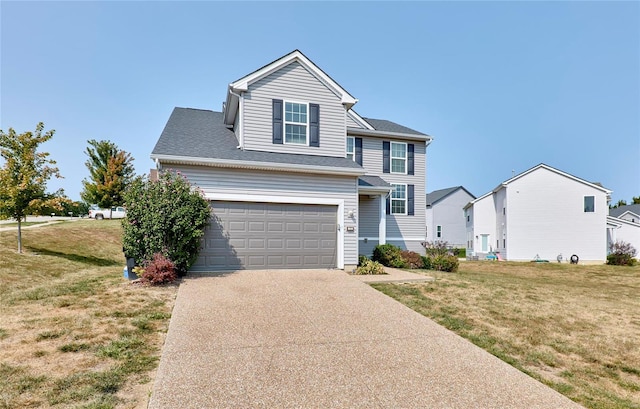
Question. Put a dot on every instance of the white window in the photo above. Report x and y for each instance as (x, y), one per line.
(296, 123)
(399, 199)
(351, 148)
(399, 157)
(589, 204)
(439, 232)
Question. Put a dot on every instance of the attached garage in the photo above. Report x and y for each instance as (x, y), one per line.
(251, 235)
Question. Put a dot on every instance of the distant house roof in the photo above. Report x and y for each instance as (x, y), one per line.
(619, 211)
(196, 136)
(388, 126)
(438, 195)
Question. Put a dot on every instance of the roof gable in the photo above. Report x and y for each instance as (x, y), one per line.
(554, 170)
(622, 210)
(438, 195)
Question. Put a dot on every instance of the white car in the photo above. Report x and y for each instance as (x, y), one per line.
(116, 212)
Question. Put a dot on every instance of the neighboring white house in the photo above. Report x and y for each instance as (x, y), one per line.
(541, 212)
(295, 177)
(623, 224)
(445, 221)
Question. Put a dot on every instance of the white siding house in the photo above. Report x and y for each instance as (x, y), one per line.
(542, 212)
(445, 215)
(623, 224)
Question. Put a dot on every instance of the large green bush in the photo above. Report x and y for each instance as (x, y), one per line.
(166, 216)
(389, 255)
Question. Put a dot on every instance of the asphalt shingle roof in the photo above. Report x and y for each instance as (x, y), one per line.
(618, 211)
(372, 181)
(387, 126)
(201, 133)
(437, 195)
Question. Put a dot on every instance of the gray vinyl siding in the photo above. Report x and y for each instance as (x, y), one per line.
(351, 123)
(295, 84)
(399, 226)
(212, 181)
(369, 217)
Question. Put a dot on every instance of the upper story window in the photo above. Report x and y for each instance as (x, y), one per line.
(399, 199)
(398, 157)
(295, 123)
(589, 204)
(439, 232)
(351, 148)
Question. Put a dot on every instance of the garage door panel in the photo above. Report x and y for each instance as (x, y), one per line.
(269, 235)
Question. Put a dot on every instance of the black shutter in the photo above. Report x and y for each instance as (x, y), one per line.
(358, 150)
(386, 156)
(314, 125)
(389, 204)
(277, 121)
(411, 200)
(410, 154)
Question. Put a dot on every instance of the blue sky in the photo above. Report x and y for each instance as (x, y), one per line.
(501, 86)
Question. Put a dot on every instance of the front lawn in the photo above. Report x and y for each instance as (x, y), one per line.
(74, 332)
(576, 328)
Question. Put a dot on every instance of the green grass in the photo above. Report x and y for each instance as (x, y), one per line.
(574, 328)
(74, 332)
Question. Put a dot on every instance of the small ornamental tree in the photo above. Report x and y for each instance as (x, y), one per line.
(166, 216)
(622, 254)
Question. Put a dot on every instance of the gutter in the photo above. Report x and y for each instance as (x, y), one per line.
(272, 166)
(381, 134)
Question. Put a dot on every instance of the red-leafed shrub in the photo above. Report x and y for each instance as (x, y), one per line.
(413, 259)
(159, 270)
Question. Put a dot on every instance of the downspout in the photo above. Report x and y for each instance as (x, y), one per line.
(240, 112)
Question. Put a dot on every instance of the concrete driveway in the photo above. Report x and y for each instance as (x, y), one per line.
(323, 339)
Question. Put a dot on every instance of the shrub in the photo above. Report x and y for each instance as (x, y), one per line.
(389, 255)
(447, 263)
(362, 259)
(437, 248)
(426, 262)
(412, 259)
(460, 253)
(622, 254)
(165, 216)
(158, 270)
(370, 267)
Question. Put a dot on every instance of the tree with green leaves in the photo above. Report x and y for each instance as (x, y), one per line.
(111, 170)
(24, 175)
(635, 200)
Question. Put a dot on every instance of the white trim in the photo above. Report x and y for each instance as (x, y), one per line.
(391, 198)
(296, 56)
(232, 197)
(382, 220)
(285, 123)
(359, 120)
(346, 149)
(388, 239)
(386, 135)
(391, 158)
(275, 166)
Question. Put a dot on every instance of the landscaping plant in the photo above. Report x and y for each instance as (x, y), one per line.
(166, 216)
(389, 255)
(159, 270)
(622, 254)
(370, 267)
(412, 259)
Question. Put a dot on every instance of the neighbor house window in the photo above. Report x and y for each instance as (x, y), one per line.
(439, 231)
(351, 147)
(399, 199)
(295, 123)
(589, 204)
(398, 157)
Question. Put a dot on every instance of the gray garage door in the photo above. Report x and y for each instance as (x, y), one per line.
(247, 235)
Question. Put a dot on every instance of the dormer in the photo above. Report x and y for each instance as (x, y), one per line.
(289, 106)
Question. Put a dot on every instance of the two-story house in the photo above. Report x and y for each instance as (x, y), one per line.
(541, 212)
(623, 224)
(444, 214)
(295, 177)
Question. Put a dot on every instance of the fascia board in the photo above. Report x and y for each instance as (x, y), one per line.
(272, 166)
(360, 120)
(381, 134)
(373, 190)
(243, 84)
